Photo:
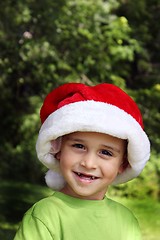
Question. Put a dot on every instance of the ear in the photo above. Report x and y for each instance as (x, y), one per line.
(56, 145)
(58, 156)
(125, 164)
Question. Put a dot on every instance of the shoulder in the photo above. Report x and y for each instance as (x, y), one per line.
(43, 206)
(44, 213)
(37, 222)
(120, 210)
(126, 220)
(117, 206)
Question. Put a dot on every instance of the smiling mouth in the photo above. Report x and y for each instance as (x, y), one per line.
(85, 176)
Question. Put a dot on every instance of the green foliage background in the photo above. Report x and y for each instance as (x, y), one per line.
(46, 43)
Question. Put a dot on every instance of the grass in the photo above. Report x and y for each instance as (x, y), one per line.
(16, 198)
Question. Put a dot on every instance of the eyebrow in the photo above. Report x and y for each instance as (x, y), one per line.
(112, 148)
(103, 145)
(75, 139)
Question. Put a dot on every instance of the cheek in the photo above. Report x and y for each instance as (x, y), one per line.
(111, 169)
(64, 166)
(65, 160)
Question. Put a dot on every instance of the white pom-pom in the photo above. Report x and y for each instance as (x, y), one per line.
(54, 180)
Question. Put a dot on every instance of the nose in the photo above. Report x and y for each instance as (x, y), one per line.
(89, 161)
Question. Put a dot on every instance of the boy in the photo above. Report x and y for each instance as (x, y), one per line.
(90, 138)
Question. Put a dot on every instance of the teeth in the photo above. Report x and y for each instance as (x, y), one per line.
(91, 177)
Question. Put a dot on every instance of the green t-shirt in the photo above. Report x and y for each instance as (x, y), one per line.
(61, 217)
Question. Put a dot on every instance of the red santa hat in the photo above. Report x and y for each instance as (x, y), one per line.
(103, 108)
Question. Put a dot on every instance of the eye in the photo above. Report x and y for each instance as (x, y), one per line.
(78, 145)
(106, 152)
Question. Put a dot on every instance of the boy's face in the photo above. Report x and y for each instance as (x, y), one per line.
(89, 162)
